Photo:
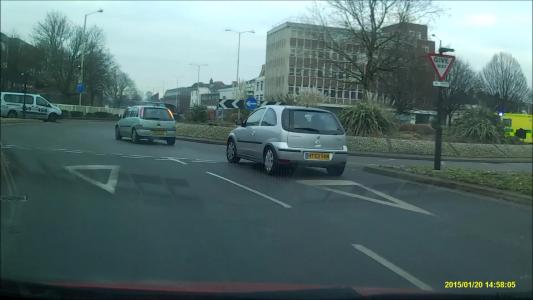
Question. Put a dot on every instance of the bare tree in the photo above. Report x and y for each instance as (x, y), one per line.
(118, 85)
(462, 81)
(502, 78)
(54, 37)
(366, 48)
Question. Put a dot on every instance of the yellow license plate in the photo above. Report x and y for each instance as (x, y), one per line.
(158, 132)
(316, 156)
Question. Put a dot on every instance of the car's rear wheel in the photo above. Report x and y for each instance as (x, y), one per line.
(12, 114)
(134, 136)
(117, 133)
(270, 161)
(336, 170)
(231, 152)
(171, 141)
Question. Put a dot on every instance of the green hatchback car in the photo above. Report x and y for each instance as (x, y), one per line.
(148, 123)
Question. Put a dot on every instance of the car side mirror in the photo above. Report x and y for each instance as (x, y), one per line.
(243, 123)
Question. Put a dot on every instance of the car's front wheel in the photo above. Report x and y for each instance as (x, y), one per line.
(231, 152)
(336, 170)
(52, 117)
(12, 114)
(270, 161)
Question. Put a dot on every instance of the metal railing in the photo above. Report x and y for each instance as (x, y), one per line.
(90, 109)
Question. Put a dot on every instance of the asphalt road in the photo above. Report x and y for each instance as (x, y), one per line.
(79, 206)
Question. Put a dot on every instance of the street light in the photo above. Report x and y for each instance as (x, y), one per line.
(441, 49)
(238, 59)
(198, 81)
(83, 47)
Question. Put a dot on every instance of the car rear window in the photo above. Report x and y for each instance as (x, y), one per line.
(154, 113)
(311, 121)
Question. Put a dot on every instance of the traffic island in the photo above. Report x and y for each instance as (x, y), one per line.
(384, 147)
(510, 186)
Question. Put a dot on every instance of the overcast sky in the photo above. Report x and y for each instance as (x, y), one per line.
(155, 42)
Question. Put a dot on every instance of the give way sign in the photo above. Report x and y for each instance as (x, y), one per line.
(441, 63)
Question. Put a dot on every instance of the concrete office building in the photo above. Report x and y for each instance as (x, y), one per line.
(297, 59)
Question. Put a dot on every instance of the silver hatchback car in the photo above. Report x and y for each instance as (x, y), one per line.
(282, 137)
(147, 122)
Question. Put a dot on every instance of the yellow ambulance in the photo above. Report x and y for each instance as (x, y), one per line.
(518, 125)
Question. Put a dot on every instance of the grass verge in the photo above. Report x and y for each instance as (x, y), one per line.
(518, 182)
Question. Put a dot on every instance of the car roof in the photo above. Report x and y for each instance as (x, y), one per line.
(148, 105)
(282, 107)
(19, 93)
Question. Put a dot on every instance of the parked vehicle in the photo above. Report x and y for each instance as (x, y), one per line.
(147, 122)
(18, 105)
(283, 137)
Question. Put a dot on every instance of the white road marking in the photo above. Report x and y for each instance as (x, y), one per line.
(251, 190)
(136, 156)
(394, 268)
(58, 149)
(111, 181)
(204, 161)
(173, 159)
(73, 151)
(392, 201)
(326, 182)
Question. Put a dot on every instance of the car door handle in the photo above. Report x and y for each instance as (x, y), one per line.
(253, 132)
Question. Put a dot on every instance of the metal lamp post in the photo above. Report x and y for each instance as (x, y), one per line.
(198, 81)
(83, 48)
(238, 60)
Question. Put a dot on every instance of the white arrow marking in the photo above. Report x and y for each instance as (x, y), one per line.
(392, 201)
(111, 181)
(394, 268)
(235, 103)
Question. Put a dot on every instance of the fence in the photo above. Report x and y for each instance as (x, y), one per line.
(91, 109)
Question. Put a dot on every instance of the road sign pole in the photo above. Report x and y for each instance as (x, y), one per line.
(438, 133)
(441, 63)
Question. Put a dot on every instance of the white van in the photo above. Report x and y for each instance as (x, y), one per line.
(12, 106)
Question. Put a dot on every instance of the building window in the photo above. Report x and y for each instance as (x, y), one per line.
(291, 89)
(426, 49)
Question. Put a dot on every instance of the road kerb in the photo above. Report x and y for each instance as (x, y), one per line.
(485, 191)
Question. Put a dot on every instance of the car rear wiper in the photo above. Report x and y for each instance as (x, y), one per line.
(158, 119)
(307, 128)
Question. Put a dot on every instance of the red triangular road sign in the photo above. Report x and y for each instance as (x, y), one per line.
(441, 64)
